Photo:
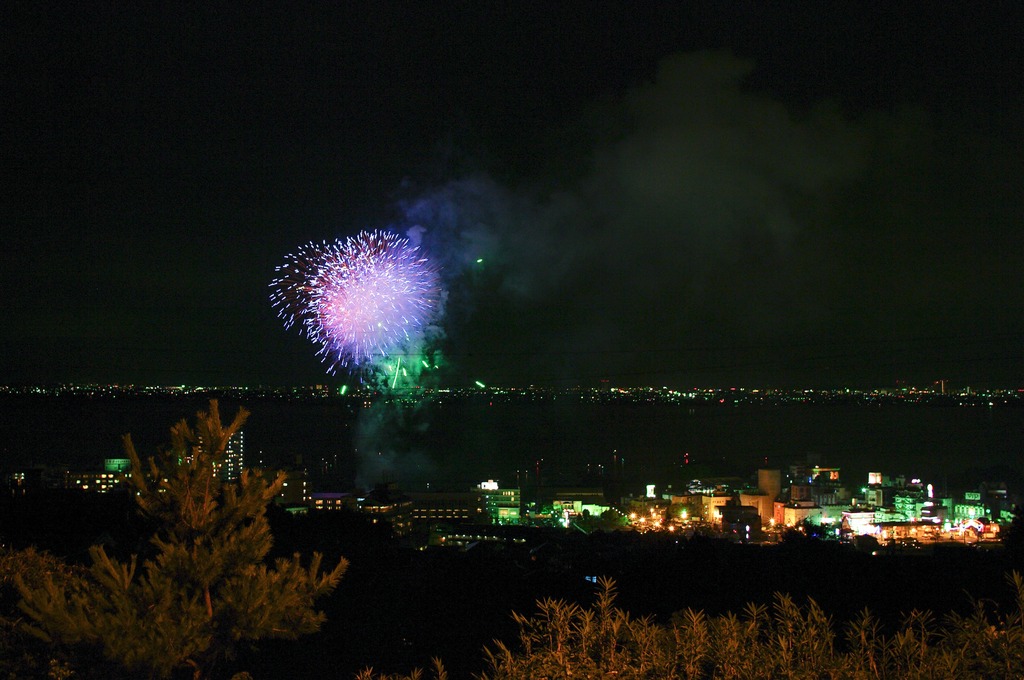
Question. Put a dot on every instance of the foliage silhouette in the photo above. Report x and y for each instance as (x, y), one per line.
(207, 589)
(787, 640)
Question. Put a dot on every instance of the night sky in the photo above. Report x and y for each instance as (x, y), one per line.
(662, 193)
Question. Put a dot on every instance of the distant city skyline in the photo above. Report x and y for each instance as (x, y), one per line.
(937, 388)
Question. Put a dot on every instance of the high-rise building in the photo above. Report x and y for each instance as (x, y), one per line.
(769, 482)
(234, 458)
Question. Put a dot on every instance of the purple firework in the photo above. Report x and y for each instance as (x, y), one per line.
(359, 299)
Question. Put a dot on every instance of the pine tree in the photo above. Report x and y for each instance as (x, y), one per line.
(208, 587)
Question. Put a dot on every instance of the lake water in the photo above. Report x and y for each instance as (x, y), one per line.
(471, 439)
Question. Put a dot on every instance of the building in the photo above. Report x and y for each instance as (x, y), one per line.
(94, 482)
(388, 505)
(711, 506)
(450, 507)
(859, 521)
(332, 500)
(799, 492)
(876, 494)
(117, 465)
(938, 509)
(502, 504)
(907, 505)
(828, 475)
(19, 483)
(791, 513)
(234, 458)
(467, 537)
(741, 522)
(762, 503)
(567, 495)
(972, 507)
(769, 483)
(683, 507)
(638, 506)
(577, 510)
(295, 490)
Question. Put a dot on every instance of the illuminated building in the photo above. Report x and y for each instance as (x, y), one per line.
(877, 495)
(469, 536)
(567, 495)
(503, 505)
(234, 458)
(683, 509)
(769, 488)
(711, 506)
(576, 508)
(763, 504)
(826, 488)
(971, 508)
(117, 465)
(454, 507)
(906, 506)
(230, 467)
(641, 506)
(22, 482)
(795, 512)
(939, 510)
(569, 511)
(386, 504)
(332, 500)
(900, 531)
(877, 479)
(94, 482)
(824, 474)
(889, 514)
(832, 515)
(859, 521)
(714, 485)
(295, 490)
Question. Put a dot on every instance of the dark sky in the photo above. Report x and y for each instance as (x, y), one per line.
(663, 193)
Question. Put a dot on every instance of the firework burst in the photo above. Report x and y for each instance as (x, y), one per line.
(360, 299)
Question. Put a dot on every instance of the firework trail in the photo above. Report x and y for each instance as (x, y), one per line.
(360, 299)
